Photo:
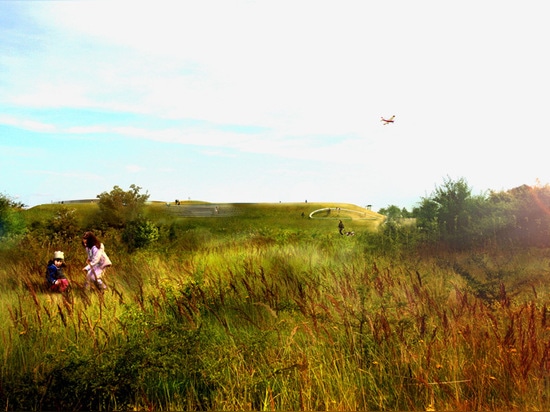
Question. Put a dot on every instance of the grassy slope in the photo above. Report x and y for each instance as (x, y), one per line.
(248, 215)
(275, 209)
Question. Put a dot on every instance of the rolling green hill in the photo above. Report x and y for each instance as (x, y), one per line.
(276, 214)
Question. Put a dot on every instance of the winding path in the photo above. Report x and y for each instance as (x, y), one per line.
(329, 215)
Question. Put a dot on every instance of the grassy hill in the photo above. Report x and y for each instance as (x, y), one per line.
(278, 215)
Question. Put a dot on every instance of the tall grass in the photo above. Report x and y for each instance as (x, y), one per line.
(268, 318)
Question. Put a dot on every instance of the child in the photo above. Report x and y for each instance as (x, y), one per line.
(57, 282)
(97, 260)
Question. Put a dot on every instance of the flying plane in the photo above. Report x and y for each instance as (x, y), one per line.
(387, 121)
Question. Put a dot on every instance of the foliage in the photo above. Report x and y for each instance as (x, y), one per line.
(523, 214)
(64, 224)
(453, 216)
(449, 211)
(393, 212)
(11, 222)
(426, 218)
(118, 207)
(140, 232)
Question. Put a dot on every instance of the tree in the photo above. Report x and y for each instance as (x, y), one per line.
(522, 215)
(118, 207)
(452, 212)
(426, 217)
(452, 215)
(140, 233)
(392, 212)
(64, 224)
(11, 222)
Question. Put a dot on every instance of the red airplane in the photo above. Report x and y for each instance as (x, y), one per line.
(387, 121)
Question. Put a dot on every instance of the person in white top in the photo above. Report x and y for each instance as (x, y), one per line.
(96, 261)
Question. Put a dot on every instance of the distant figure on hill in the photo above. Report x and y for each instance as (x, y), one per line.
(341, 227)
(57, 282)
(96, 259)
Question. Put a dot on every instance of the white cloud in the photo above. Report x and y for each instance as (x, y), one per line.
(27, 124)
(134, 168)
(234, 62)
(66, 175)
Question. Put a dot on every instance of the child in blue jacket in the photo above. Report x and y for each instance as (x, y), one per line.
(57, 282)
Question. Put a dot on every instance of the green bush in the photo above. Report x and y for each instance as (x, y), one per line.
(140, 233)
(11, 221)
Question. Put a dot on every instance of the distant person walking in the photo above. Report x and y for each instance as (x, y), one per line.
(96, 259)
(57, 282)
(341, 227)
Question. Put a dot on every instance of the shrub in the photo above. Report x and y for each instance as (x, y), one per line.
(140, 233)
(11, 222)
(119, 207)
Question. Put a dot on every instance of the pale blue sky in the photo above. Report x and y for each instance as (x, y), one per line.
(268, 101)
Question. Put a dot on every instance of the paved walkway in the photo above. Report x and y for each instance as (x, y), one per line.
(201, 210)
(334, 213)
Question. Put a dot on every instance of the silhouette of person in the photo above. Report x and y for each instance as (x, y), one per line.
(341, 227)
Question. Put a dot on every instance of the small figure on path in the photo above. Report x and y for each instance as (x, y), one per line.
(341, 227)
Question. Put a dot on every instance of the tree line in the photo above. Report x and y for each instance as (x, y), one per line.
(122, 210)
(454, 217)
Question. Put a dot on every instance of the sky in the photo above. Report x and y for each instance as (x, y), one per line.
(272, 101)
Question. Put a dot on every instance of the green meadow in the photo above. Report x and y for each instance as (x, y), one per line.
(262, 307)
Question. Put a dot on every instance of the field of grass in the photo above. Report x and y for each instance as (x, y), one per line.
(265, 309)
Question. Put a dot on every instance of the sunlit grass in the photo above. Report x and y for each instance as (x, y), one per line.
(260, 317)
